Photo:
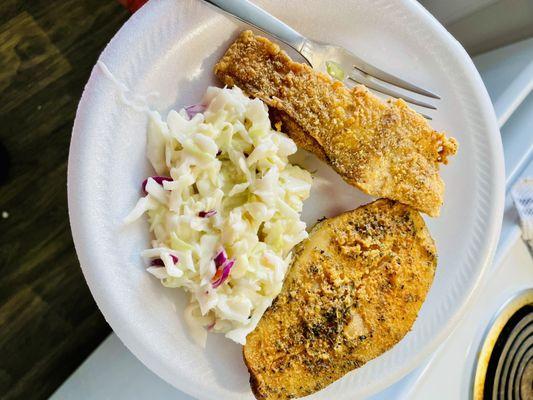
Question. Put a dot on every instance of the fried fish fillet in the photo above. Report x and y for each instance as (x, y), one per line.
(384, 149)
(297, 134)
(353, 291)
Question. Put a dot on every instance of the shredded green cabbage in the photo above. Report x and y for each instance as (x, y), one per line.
(335, 70)
(230, 160)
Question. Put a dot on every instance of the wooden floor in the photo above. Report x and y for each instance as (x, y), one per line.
(49, 322)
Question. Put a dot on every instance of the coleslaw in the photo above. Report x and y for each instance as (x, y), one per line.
(224, 209)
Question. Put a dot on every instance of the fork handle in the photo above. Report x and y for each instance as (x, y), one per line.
(256, 16)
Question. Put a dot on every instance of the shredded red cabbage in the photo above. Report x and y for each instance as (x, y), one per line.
(222, 273)
(194, 109)
(207, 214)
(221, 258)
(159, 263)
(158, 179)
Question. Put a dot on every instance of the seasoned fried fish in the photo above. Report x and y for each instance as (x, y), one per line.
(353, 291)
(384, 149)
(297, 134)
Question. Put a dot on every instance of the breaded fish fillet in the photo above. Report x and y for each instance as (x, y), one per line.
(353, 291)
(297, 134)
(384, 149)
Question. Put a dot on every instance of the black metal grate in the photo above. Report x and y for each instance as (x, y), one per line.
(510, 369)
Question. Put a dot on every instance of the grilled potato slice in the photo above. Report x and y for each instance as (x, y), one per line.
(353, 291)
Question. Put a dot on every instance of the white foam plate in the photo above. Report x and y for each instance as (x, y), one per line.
(168, 49)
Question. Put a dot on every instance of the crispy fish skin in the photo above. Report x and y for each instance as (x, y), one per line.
(353, 291)
(384, 149)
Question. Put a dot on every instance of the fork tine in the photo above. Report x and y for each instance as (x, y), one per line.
(382, 89)
(375, 72)
(349, 82)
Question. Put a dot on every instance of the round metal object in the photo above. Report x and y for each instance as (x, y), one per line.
(505, 363)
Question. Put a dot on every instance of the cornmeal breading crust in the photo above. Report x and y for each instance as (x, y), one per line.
(353, 291)
(384, 149)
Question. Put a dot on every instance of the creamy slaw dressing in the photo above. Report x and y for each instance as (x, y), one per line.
(231, 188)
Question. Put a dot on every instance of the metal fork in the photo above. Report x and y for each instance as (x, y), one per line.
(336, 60)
